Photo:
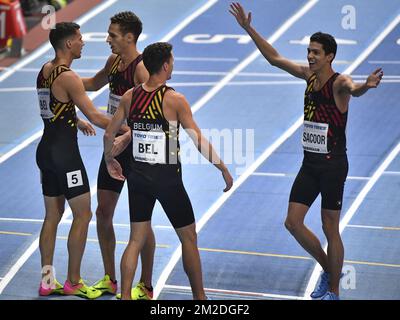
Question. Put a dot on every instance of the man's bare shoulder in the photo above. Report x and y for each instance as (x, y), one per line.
(69, 76)
(141, 67)
(343, 77)
(175, 100)
(111, 58)
(174, 95)
(127, 95)
(48, 68)
(342, 81)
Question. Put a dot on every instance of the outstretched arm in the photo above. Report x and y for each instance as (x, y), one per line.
(268, 51)
(100, 79)
(185, 117)
(348, 86)
(76, 91)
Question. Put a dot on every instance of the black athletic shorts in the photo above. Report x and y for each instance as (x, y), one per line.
(105, 181)
(326, 177)
(61, 169)
(148, 183)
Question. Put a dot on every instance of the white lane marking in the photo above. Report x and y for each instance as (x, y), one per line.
(206, 59)
(290, 175)
(243, 294)
(384, 61)
(373, 227)
(18, 89)
(392, 173)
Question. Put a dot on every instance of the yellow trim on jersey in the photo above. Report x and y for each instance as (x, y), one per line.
(59, 112)
(115, 64)
(311, 82)
(56, 107)
(157, 103)
(151, 111)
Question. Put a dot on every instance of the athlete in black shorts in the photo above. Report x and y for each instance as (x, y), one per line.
(124, 70)
(325, 166)
(155, 112)
(63, 175)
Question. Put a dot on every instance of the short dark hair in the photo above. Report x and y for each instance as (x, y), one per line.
(128, 22)
(155, 55)
(328, 42)
(62, 31)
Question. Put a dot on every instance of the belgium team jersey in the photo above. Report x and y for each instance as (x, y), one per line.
(57, 116)
(155, 140)
(120, 82)
(324, 125)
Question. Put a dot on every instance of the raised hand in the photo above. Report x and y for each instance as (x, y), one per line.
(375, 78)
(238, 12)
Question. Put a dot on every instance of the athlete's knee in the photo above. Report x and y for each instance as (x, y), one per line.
(61, 209)
(190, 237)
(53, 219)
(187, 234)
(292, 226)
(136, 243)
(331, 229)
(84, 217)
(106, 203)
(104, 214)
(289, 226)
(295, 217)
(330, 223)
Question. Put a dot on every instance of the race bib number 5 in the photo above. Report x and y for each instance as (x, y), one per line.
(74, 179)
(315, 137)
(149, 146)
(44, 103)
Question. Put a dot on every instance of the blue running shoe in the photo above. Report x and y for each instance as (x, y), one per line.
(322, 287)
(330, 296)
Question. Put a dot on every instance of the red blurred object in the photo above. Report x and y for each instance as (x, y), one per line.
(12, 23)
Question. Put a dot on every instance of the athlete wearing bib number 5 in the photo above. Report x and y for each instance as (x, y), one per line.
(124, 70)
(63, 175)
(155, 113)
(324, 168)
